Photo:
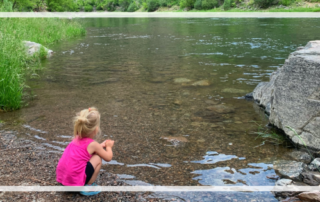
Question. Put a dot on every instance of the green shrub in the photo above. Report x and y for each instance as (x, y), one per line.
(183, 3)
(163, 3)
(6, 6)
(110, 5)
(133, 7)
(285, 2)
(209, 4)
(171, 3)
(263, 3)
(187, 3)
(226, 5)
(88, 8)
(144, 5)
(124, 4)
(197, 5)
(152, 5)
(62, 5)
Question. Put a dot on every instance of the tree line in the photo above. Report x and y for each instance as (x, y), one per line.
(130, 5)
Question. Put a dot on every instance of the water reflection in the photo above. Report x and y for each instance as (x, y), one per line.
(255, 175)
(214, 157)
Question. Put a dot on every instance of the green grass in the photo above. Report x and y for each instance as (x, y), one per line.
(269, 136)
(272, 137)
(15, 63)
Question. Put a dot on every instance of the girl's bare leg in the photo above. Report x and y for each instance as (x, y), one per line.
(96, 163)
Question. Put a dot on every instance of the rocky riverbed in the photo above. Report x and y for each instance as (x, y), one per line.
(25, 163)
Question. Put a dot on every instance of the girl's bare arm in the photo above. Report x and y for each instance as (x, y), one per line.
(95, 147)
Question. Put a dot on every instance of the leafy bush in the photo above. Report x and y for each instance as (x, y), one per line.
(163, 3)
(183, 3)
(6, 6)
(152, 5)
(88, 8)
(144, 5)
(62, 5)
(263, 3)
(110, 5)
(209, 4)
(187, 3)
(226, 5)
(285, 2)
(197, 5)
(133, 7)
(124, 4)
(172, 2)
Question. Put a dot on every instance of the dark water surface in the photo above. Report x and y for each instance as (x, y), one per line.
(141, 74)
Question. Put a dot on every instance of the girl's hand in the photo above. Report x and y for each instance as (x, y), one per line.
(103, 144)
(109, 143)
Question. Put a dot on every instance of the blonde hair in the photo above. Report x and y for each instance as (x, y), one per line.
(86, 121)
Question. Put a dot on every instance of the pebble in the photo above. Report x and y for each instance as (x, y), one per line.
(212, 102)
(201, 140)
(201, 83)
(181, 80)
(177, 102)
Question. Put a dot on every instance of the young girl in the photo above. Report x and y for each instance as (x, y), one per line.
(81, 160)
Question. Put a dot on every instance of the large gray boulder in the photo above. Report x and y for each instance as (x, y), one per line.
(293, 95)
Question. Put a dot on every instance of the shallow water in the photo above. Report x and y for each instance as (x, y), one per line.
(141, 74)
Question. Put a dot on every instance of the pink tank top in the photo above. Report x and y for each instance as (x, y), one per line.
(72, 165)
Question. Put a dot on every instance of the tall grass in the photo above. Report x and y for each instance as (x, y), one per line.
(15, 63)
(269, 135)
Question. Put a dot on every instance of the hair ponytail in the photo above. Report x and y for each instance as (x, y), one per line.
(86, 121)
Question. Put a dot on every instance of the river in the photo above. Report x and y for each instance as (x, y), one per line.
(143, 75)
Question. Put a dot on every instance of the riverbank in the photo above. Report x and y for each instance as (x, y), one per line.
(294, 7)
(26, 163)
(15, 63)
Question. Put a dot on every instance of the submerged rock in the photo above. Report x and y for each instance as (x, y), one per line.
(177, 102)
(293, 96)
(33, 47)
(201, 83)
(157, 80)
(176, 141)
(249, 96)
(222, 109)
(234, 90)
(212, 102)
(300, 156)
(310, 196)
(289, 169)
(181, 80)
